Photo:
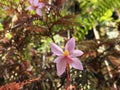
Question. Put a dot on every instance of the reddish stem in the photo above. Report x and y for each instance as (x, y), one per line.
(68, 74)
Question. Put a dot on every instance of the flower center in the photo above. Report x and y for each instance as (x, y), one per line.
(66, 53)
(35, 7)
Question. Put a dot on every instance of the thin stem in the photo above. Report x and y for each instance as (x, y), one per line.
(68, 74)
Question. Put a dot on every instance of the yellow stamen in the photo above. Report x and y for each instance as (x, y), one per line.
(66, 53)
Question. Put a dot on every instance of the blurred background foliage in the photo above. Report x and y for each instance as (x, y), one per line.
(25, 37)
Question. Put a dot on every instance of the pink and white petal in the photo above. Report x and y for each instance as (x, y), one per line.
(56, 49)
(76, 63)
(61, 67)
(76, 53)
(38, 11)
(29, 8)
(31, 2)
(58, 59)
(41, 5)
(36, 2)
(70, 45)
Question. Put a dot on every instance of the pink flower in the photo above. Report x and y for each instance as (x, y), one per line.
(35, 5)
(68, 56)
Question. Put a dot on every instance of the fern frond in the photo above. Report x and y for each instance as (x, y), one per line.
(92, 12)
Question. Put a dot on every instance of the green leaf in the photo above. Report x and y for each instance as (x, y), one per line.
(107, 16)
(1, 27)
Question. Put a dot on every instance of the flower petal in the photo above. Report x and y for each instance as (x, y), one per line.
(61, 67)
(58, 59)
(41, 5)
(76, 53)
(70, 45)
(36, 2)
(29, 8)
(31, 2)
(76, 63)
(38, 11)
(56, 49)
